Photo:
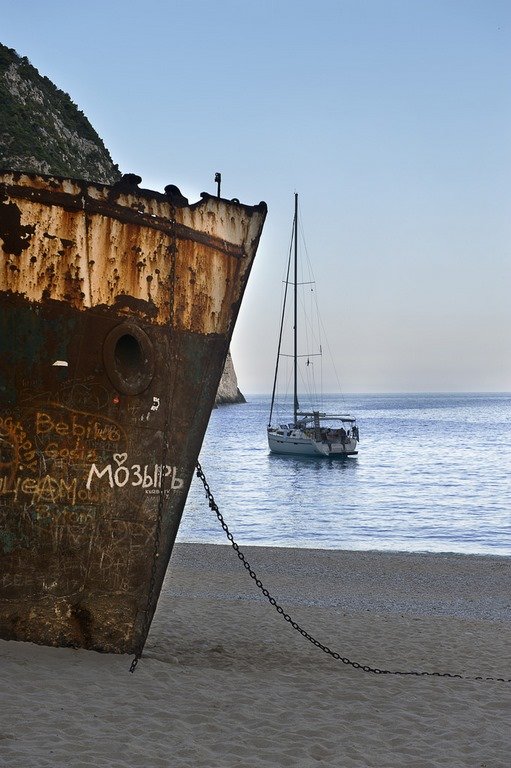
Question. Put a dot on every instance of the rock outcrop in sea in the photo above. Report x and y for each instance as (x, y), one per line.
(228, 391)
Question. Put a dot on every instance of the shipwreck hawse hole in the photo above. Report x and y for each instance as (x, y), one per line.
(129, 358)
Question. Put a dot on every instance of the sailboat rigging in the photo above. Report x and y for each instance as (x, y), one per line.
(311, 433)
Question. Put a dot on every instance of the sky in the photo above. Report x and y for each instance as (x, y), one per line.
(390, 118)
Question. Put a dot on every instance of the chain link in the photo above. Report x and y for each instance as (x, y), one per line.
(337, 656)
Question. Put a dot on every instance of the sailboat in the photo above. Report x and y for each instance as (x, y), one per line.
(313, 432)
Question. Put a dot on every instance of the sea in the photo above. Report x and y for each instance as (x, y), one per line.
(433, 474)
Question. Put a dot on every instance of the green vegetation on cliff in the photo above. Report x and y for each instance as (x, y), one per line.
(42, 130)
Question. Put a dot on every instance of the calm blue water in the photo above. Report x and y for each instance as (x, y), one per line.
(433, 474)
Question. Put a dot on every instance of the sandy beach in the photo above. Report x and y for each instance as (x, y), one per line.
(225, 682)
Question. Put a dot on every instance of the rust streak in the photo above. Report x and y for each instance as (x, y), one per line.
(111, 210)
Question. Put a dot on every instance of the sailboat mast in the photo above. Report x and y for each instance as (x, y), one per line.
(295, 353)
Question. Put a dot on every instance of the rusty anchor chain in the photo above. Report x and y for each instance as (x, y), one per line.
(337, 656)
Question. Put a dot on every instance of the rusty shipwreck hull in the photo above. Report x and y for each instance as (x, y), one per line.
(117, 306)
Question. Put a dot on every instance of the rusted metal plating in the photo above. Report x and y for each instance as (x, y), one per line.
(116, 310)
(95, 245)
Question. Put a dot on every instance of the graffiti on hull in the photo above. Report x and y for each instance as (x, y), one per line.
(62, 467)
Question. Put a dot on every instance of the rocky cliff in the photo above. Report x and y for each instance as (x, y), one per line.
(43, 131)
(228, 391)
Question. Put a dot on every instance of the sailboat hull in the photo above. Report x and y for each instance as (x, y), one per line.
(302, 445)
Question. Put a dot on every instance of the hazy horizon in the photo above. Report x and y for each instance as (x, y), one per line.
(391, 392)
